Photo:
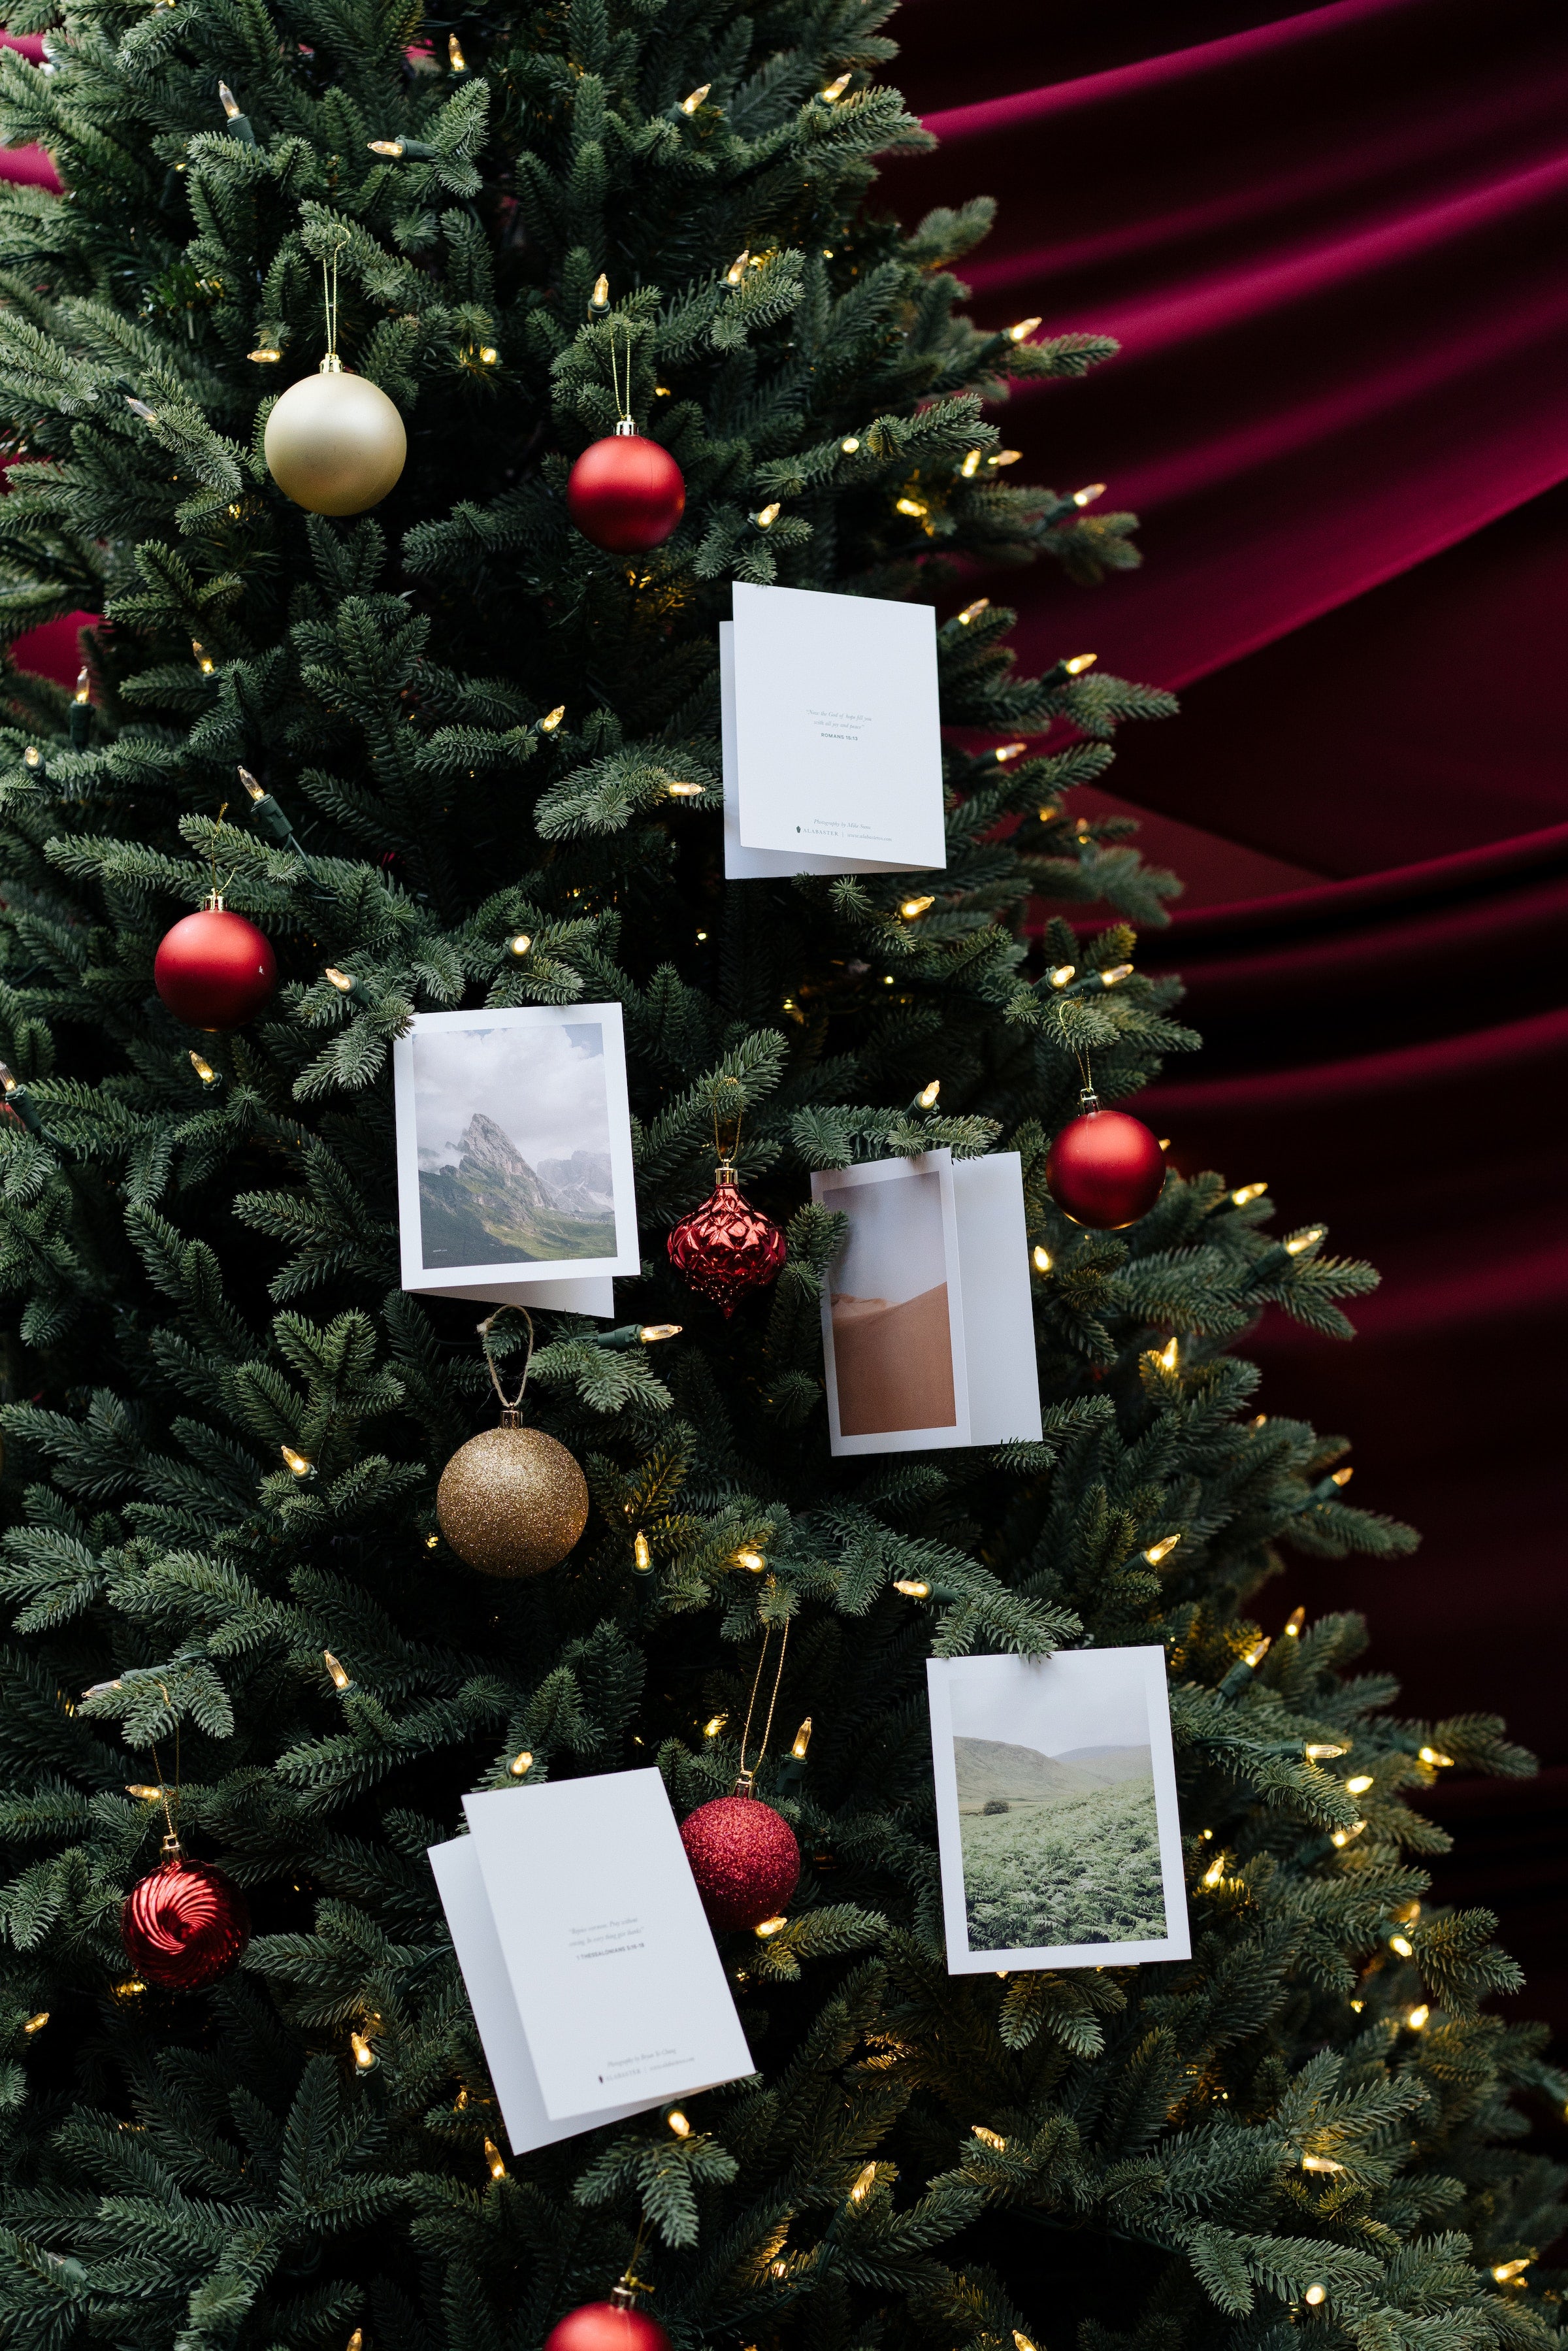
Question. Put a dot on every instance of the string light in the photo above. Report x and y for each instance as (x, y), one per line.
(642, 1557)
(836, 89)
(1309, 1239)
(1162, 1549)
(865, 2181)
(1320, 2163)
(140, 408)
(1004, 457)
(230, 103)
(912, 1588)
(1021, 2342)
(1359, 1785)
(973, 612)
(265, 355)
(494, 2158)
(1260, 1649)
(1169, 1356)
(1117, 974)
(650, 1334)
(1088, 494)
(714, 1724)
(1040, 1257)
(690, 105)
(455, 57)
(1417, 2017)
(1078, 663)
(300, 1463)
(737, 271)
(203, 659)
(1323, 1751)
(1022, 332)
(971, 464)
(1506, 2272)
(1006, 751)
(143, 1792)
(910, 506)
(32, 757)
(752, 1561)
(488, 354)
(1314, 2295)
(1435, 1756)
(1245, 1192)
(802, 1740)
(913, 908)
(356, 2341)
(341, 1678)
(1402, 1946)
(678, 2123)
(83, 692)
(1294, 1623)
(204, 1069)
(850, 444)
(1342, 1476)
(927, 1095)
(769, 1928)
(551, 720)
(365, 2058)
(768, 516)
(393, 148)
(990, 2137)
(36, 2023)
(1214, 1873)
(341, 980)
(1064, 972)
(685, 791)
(522, 1764)
(432, 1542)
(1344, 1836)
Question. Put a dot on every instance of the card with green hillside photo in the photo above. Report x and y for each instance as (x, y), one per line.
(1056, 1810)
(515, 1155)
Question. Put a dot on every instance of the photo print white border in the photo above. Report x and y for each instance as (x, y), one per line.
(543, 1281)
(1006, 1686)
(828, 1190)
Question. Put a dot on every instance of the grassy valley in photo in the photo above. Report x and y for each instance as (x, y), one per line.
(1058, 1849)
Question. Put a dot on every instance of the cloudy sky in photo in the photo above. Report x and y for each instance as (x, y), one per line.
(542, 1085)
(1079, 1698)
(896, 1249)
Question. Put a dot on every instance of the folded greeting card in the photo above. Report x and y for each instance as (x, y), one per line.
(833, 748)
(593, 1975)
(514, 1146)
(1056, 1810)
(927, 1323)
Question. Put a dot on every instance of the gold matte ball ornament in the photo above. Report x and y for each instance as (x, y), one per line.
(511, 1502)
(335, 442)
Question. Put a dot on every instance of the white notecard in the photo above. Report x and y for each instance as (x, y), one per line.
(928, 1322)
(838, 743)
(617, 1983)
(743, 864)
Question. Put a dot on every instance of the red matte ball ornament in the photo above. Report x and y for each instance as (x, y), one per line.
(1105, 1170)
(726, 1247)
(214, 969)
(615, 2326)
(185, 1925)
(626, 494)
(744, 1857)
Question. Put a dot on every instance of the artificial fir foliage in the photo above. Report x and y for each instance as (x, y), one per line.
(225, 1423)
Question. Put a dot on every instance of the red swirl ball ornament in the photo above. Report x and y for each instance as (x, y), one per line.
(607, 2326)
(626, 494)
(726, 1247)
(214, 969)
(745, 1859)
(1105, 1169)
(185, 1926)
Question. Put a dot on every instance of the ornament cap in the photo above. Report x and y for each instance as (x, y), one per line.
(213, 903)
(330, 365)
(725, 1177)
(625, 427)
(1088, 1102)
(170, 1848)
(510, 1416)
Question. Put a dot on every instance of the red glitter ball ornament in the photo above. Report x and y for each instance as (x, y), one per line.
(744, 1857)
(214, 969)
(185, 1924)
(1105, 1169)
(626, 494)
(607, 2326)
(726, 1247)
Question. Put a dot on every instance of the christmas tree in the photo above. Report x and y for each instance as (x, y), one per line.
(487, 765)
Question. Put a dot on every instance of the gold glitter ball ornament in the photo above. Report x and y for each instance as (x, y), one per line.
(335, 443)
(512, 1501)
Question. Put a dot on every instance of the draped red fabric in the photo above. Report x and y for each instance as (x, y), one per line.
(1329, 243)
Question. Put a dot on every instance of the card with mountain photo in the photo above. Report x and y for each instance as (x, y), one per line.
(1056, 1810)
(513, 1148)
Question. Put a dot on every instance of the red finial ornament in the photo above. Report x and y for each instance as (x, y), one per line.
(613, 2325)
(726, 1247)
(1105, 1169)
(185, 1925)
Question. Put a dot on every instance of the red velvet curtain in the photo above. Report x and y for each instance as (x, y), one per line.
(1331, 243)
